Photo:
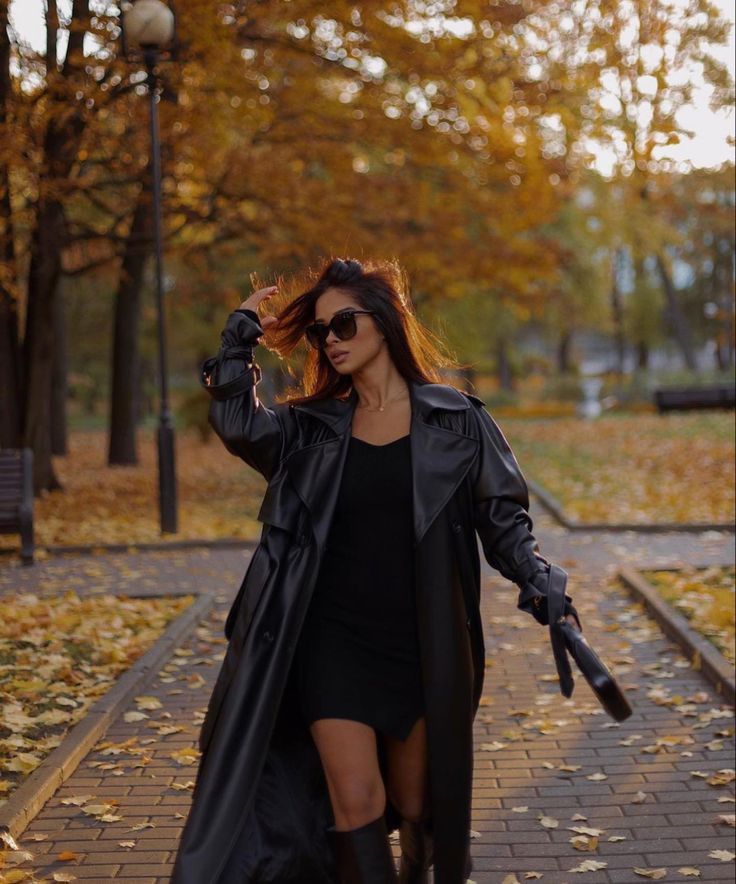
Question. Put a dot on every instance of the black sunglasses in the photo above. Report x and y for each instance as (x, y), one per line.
(343, 324)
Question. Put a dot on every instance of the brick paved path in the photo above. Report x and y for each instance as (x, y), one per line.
(524, 730)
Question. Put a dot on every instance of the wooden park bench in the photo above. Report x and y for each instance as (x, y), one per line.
(686, 398)
(16, 497)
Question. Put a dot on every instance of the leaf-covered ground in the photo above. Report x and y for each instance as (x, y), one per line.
(58, 654)
(573, 786)
(705, 596)
(644, 469)
(218, 494)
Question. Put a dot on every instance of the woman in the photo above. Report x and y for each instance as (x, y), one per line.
(354, 668)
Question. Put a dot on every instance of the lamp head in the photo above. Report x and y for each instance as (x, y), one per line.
(147, 24)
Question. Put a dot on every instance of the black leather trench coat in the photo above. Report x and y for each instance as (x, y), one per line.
(260, 801)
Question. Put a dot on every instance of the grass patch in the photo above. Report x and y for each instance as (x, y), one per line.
(705, 596)
(644, 469)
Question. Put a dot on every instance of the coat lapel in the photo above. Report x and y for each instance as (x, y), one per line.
(441, 457)
(316, 468)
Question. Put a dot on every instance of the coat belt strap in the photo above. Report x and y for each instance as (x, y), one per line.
(557, 581)
(237, 385)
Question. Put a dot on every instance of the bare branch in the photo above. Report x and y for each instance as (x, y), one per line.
(52, 29)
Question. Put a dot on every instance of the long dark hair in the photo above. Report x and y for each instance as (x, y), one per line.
(381, 286)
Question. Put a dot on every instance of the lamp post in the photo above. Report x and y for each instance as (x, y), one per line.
(148, 31)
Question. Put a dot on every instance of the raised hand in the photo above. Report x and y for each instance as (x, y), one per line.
(252, 302)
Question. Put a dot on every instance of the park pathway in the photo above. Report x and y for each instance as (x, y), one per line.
(543, 764)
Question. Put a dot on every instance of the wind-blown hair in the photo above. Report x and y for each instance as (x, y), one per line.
(380, 286)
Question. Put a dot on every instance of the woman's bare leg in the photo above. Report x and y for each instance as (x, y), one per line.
(349, 758)
(408, 774)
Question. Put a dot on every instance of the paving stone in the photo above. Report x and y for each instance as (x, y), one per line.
(160, 870)
(133, 855)
(84, 869)
(676, 826)
(505, 864)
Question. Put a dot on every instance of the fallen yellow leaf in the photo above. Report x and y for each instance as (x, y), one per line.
(724, 855)
(187, 755)
(584, 843)
(7, 839)
(14, 876)
(67, 855)
(589, 865)
(148, 702)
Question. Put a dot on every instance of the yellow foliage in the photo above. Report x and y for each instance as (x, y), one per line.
(705, 596)
(647, 469)
(218, 495)
(57, 655)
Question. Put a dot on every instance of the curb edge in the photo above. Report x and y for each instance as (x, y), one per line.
(30, 797)
(132, 548)
(713, 665)
(554, 507)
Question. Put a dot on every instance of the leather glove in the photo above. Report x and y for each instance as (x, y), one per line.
(533, 599)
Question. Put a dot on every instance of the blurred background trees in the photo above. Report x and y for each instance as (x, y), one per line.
(457, 137)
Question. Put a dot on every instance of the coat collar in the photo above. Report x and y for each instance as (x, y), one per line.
(441, 457)
(425, 398)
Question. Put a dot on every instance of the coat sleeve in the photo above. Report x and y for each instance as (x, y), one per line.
(503, 523)
(248, 428)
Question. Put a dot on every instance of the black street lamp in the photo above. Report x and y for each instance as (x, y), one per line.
(148, 30)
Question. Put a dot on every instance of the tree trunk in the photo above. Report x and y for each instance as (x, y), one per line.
(642, 350)
(719, 354)
(126, 349)
(642, 345)
(59, 149)
(678, 322)
(10, 398)
(469, 375)
(146, 404)
(59, 385)
(564, 348)
(10, 379)
(618, 312)
(722, 294)
(38, 343)
(504, 367)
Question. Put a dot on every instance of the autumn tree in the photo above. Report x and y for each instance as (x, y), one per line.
(455, 141)
(699, 207)
(637, 57)
(10, 385)
(274, 119)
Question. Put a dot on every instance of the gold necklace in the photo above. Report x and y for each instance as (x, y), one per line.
(381, 407)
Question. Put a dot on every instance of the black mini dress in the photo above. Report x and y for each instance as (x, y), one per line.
(358, 652)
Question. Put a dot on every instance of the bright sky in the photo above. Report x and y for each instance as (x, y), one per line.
(709, 146)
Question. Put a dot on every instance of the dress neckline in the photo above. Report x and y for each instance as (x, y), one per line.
(383, 445)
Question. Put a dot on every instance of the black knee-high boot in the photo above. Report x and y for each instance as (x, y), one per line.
(363, 855)
(417, 847)
(417, 852)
